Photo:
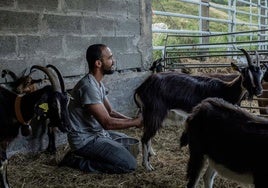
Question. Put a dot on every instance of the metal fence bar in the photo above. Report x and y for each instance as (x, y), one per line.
(232, 20)
(219, 33)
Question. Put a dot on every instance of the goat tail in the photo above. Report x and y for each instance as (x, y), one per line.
(184, 140)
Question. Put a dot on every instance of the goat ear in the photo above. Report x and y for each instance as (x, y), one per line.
(235, 67)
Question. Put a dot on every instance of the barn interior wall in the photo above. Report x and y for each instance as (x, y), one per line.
(58, 32)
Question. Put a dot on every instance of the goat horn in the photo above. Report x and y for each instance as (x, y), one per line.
(59, 76)
(257, 58)
(31, 72)
(11, 73)
(247, 56)
(50, 75)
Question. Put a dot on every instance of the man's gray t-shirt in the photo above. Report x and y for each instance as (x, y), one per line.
(84, 127)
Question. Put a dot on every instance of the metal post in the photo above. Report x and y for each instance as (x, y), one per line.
(205, 22)
(263, 19)
(230, 26)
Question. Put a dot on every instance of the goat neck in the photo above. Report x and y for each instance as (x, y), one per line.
(24, 108)
(29, 101)
(235, 85)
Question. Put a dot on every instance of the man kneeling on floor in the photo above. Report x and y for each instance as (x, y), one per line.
(91, 136)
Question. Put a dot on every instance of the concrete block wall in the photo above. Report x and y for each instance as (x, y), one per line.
(58, 32)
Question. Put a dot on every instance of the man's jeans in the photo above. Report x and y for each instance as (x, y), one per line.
(105, 155)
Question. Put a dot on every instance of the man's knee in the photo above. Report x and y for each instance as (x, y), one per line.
(129, 165)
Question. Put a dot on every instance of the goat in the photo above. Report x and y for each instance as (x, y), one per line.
(16, 111)
(262, 102)
(231, 139)
(25, 83)
(157, 66)
(162, 92)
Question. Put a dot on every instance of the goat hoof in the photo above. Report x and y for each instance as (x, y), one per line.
(151, 167)
(152, 153)
(26, 130)
(148, 166)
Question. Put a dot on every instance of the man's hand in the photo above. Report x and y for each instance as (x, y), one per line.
(139, 121)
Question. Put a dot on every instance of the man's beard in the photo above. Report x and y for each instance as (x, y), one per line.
(109, 71)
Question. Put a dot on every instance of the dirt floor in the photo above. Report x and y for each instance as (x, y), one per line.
(41, 170)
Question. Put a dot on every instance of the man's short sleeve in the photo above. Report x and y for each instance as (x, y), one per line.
(89, 94)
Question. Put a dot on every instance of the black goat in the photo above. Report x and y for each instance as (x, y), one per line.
(16, 111)
(157, 66)
(26, 84)
(231, 139)
(162, 92)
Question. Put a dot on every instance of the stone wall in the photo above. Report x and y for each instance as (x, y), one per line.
(58, 32)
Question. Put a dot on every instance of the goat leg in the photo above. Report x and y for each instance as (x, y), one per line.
(3, 165)
(146, 156)
(209, 177)
(3, 170)
(260, 179)
(51, 148)
(150, 149)
(195, 165)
